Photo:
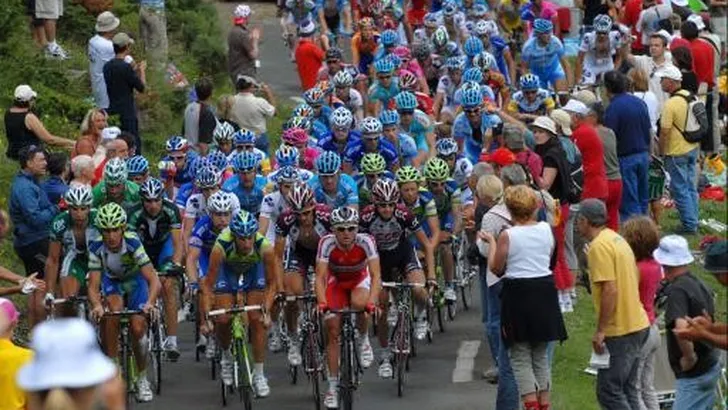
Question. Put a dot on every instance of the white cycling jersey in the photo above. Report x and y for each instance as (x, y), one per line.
(598, 55)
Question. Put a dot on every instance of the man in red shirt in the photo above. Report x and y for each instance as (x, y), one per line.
(703, 58)
(309, 55)
(592, 151)
(631, 16)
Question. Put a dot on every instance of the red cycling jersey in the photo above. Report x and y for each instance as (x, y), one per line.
(347, 265)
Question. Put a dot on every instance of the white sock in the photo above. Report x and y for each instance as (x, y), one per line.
(258, 369)
(227, 354)
(172, 340)
(333, 383)
(52, 45)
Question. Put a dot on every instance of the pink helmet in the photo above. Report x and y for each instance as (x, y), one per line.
(407, 80)
(295, 137)
(403, 53)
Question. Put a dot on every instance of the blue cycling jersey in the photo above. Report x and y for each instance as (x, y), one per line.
(497, 47)
(377, 92)
(419, 128)
(319, 130)
(203, 235)
(543, 61)
(184, 193)
(355, 152)
(485, 92)
(186, 174)
(462, 130)
(250, 199)
(327, 143)
(347, 192)
(324, 115)
(407, 148)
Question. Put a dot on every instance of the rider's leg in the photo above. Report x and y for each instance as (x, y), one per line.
(448, 262)
(293, 282)
(257, 327)
(111, 326)
(137, 298)
(69, 287)
(222, 323)
(382, 323)
(169, 296)
(420, 294)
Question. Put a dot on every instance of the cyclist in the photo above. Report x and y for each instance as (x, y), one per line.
(330, 186)
(158, 224)
(119, 267)
(405, 145)
(115, 187)
(543, 55)
(246, 184)
(389, 39)
(492, 78)
(242, 260)
(415, 123)
(532, 101)
(454, 22)
(341, 134)
(298, 139)
(363, 45)
(347, 274)
(207, 181)
(444, 104)
(598, 52)
(70, 233)
(390, 223)
(473, 78)
(320, 112)
(138, 169)
(223, 137)
(297, 11)
(495, 45)
(447, 200)
(418, 200)
(472, 47)
(412, 66)
(244, 140)
(460, 166)
(472, 127)
(329, 15)
(219, 160)
(372, 167)
(442, 46)
(385, 87)
(431, 22)
(408, 81)
(188, 188)
(179, 152)
(346, 95)
(371, 142)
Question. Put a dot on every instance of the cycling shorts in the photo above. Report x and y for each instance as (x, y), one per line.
(134, 289)
(547, 77)
(253, 279)
(447, 222)
(76, 266)
(298, 260)
(160, 255)
(591, 72)
(203, 262)
(338, 293)
(398, 262)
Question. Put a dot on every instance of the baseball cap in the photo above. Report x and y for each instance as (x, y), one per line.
(697, 20)
(670, 72)
(562, 118)
(576, 107)
(122, 40)
(8, 309)
(106, 22)
(673, 251)
(501, 157)
(544, 123)
(716, 257)
(24, 93)
(513, 137)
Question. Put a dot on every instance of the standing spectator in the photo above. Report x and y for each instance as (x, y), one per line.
(702, 22)
(47, 13)
(683, 59)
(114, 148)
(224, 110)
(23, 128)
(611, 165)
(695, 364)
(242, 45)
(200, 122)
(640, 88)
(590, 145)
(55, 186)
(100, 52)
(622, 324)
(680, 156)
(92, 126)
(655, 16)
(629, 118)
(31, 213)
(122, 79)
(515, 140)
(309, 55)
(12, 358)
(657, 59)
(643, 236)
(252, 112)
(704, 66)
(82, 168)
(153, 30)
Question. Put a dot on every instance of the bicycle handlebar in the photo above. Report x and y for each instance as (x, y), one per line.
(345, 311)
(218, 312)
(398, 285)
(71, 299)
(125, 312)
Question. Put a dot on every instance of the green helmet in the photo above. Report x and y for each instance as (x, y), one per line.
(372, 163)
(436, 169)
(115, 172)
(110, 216)
(407, 174)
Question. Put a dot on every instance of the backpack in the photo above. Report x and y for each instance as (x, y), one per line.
(576, 170)
(696, 122)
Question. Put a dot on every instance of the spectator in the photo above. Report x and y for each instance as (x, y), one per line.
(695, 364)
(639, 87)
(655, 16)
(628, 117)
(23, 128)
(92, 381)
(309, 55)
(657, 59)
(680, 156)
(122, 78)
(513, 175)
(82, 169)
(92, 126)
(200, 122)
(683, 59)
(622, 324)
(12, 358)
(107, 134)
(5, 274)
(643, 236)
(101, 51)
(224, 110)
(515, 140)
(590, 145)
(47, 13)
(153, 30)
(116, 148)
(251, 112)
(704, 66)
(702, 22)
(242, 45)
(55, 186)
(131, 148)
(31, 213)
(611, 165)
(530, 314)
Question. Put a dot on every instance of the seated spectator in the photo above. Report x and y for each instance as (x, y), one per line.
(252, 112)
(55, 185)
(92, 126)
(12, 358)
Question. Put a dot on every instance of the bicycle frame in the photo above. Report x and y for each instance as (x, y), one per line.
(128, 364)
(350, 368)
(79, 303)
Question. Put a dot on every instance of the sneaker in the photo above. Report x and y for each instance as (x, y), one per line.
(210, 348)
(57, 53)
(226, 370)
(294, 355)
(568, 304)
(420, 329)
(572, 294)
(201, 341)
(385, 368)
(450, 295)
(366, 354)
(143, 390)
(260, 384)
(331, 399)
(275, 344)
(491, 375)
(171, 350)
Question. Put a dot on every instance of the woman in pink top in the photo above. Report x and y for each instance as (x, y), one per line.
(643, 237)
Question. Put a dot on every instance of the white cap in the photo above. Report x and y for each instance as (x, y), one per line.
(680, 3)
(24, 93)
(545, 123)
(67, 354)
(664, 34)
(698, 21)
(307, 27)
(563, 119)
(110, 133)
(576, 106)
(242, 11)
(673, 251)
(670, 72)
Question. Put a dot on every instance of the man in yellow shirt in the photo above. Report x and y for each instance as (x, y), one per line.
(622, 326)
(12, 358)
(680, 156)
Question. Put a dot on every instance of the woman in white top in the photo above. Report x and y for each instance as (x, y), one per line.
(641, 89)
(530, 314)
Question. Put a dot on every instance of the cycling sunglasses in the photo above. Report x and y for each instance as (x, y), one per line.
(350, 228)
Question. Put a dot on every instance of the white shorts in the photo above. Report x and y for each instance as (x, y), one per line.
(48, 9)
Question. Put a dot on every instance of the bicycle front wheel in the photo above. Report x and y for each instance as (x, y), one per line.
(244, 385)
(346, 372)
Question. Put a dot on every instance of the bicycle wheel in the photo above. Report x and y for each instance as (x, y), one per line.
(154, 361)
(439, 306)
(466, 291)
(225, 390)
(452, 309)
(293, 373)
(346, 375)
(126, 369)
(245, 386)
(215, 361)
(430, 315)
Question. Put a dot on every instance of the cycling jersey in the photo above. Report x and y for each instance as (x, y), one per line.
(365, 49)
(328, 142)
(346, 192)
(272, 206)
(318, 130)
(541, 104)
(347, 265)
(423, 208)
(497, 82)
(462, 170)
(445, 203)
(186, 174)
(325, 75)
(184, 193)
(356, 150)
(129, 199)
(203, 237)
(406, 148)
(74, 254)
(197, 206)
(249, 198)
(544, 61)
(462, 130)
(155, 233)
(354, 103)
(240, 272)
(331, 8)
(446, 86)
(497, 47)
(121, 265)
(388, 233)
(287, 227)
(301, 10)
(419, 128)
(323, 116)
(598, 58)
(377, 92)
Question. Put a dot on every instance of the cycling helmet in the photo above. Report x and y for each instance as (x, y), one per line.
(288, 174)
(303, 110)
(371, 125)
(220, 201)
(328, 163)
(110, 216)
(244, 137)
(473, 74)
(384, 66)
(389, 117)
(244, 224)
(224, 132)
(389, 38)
(198, 163)
(421, 50)
(344, 216)
(298, 122)
(407, 80)
(446, 147)
(152, 188)
(484, 61)
(207, 177)
(218, 160)
(455, 63)
(79, 196)
(115, 172)
(372, 163)
(385, 191)
(542, 26)
(137, 165)
(440, 37)
(343, 79)
(334, 53)
(602, 23)
(529, 82)
(245, 161)
(471, 97)
(431, 20)
(176, 143)
(473, 46)
(478, 11)
(408, 173)
(313, 96)
(449, 9)
(405, 100)
(300, 197)
(470, 85)
(287, 155)
(436, 169)
(395, 60)
(341, 118)
(366, 23)
(403, 53)
(488, 27)
(295, 137)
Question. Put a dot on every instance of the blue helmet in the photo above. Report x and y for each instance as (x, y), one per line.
(529, 82)
(446, 147)
(244, 224)
(287, 155)
(312, 96)
(198, 163)
(542, 26)
(152, 188)
(383, 66)
(217, 159)
(137, 165)
(287, 174)
(244, 137)
(405, 100)
(328, 163)
(449, 8)
(389, 38)
(245, 161)
(389, 117)
(455, 63)
(473, 46)
(176, 143)
(207, 177)
(473, 74)
(471, 97)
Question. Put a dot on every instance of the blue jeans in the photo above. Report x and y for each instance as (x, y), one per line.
(635, 194)
(697, 392)
(492, 319)
(682, 187)
(507, 398)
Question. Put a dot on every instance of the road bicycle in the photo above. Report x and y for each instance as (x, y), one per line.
(350, 369)
(79, 305)
(462, 279)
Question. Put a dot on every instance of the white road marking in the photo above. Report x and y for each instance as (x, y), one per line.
(465, 361)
